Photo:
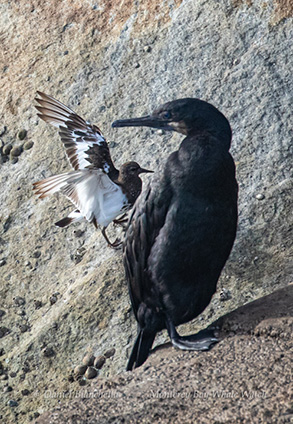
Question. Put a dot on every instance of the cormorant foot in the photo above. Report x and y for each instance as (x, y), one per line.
(200, 341)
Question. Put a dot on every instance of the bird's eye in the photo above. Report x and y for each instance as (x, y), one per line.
(166, 114)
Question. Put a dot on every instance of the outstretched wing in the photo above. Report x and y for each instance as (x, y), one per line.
(85, 145)
(97, 198)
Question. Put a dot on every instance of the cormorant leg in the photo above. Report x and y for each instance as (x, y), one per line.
(116, 244)
(203, 340)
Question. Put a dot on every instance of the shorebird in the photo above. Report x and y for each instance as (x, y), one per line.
(182, 228)
(99, 191)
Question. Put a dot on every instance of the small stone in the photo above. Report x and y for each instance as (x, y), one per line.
(14, 160)
(225, 294)
(160, 132)
(99, 361)
(53, 299)
(4, 377)
(78, 233)
(16, 151)
(2, 313)
(12, 403)
(70, 378)
(4, 331)
(91, 372)
(12, 374)
(82, 382)
(2, 262)
(2, 352)
(38, 304)
(37, 254)
(137, 65)
(25, 392)
(88, 360)
(23, 328)
(79, 370)
(6, 149)
(22, 134)
(147, 49)
(48, 352)
(110, 352)
(19, 301)
(28, 145)
(7, 389)
(259, 196)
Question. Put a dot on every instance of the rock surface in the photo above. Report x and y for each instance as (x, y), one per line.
(107, 61)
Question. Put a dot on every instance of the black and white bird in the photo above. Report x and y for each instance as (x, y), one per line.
(182, 228)
(99, 191)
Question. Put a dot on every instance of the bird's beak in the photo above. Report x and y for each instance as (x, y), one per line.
(142, 170)
(144, 121)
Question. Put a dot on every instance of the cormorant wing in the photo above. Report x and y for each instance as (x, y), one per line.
(85, 145)
(147, 219)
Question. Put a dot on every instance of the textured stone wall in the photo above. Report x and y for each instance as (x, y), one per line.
(110, 60)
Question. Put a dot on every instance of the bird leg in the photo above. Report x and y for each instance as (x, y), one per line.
(120, 221)
(203, 340)
(116, 244)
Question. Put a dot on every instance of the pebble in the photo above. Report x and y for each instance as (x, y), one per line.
(19, 301)
(28, 145)
(160, 132)
(12, 374)
(14, 160)
(147, 49)
(78, 233)
(259, 196)
(37, 254)
(2, 351)
(25, 392)
(6, 149)
(137, 65)
(16, 151)
(22, 134)
(7, 389)
(12, 403)
(48, 352)
(53, 299)
(91, 372)
(99, 361)
(88, 360)
(225, 294)
(82, 382)
(80, 370)
(2, 313)
(4, 331)
(110, 352)
(23, 328)
(38, 304)
(2, 262)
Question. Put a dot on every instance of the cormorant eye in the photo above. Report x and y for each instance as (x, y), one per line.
(166, 114)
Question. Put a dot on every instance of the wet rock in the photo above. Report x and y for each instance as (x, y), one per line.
(99, 361)
(28, 145)
(88, 360)
(79, 370)
(109, 352)
(91, 372)
(22, 134)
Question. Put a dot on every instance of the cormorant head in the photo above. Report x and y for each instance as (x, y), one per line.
(187, 116)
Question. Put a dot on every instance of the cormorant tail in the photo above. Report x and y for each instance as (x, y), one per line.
(141, 348)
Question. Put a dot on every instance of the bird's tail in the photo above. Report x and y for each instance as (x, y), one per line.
(72, 217)
(141, 348)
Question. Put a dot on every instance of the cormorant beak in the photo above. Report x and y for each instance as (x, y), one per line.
(144, 121)
(142, 170)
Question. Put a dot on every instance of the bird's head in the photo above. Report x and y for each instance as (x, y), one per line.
(131, 169)
(186, 116)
